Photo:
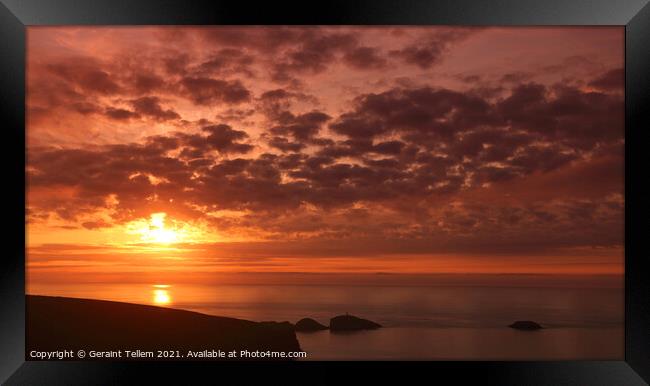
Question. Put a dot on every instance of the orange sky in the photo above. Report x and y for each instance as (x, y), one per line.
(179, 150)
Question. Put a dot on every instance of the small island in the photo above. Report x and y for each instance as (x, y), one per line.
(309, 325)
(351, 323)
(526, 325)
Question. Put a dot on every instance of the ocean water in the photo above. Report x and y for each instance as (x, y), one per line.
(421, 322)
(466, 343)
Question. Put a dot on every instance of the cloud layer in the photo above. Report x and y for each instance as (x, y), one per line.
(364, 135)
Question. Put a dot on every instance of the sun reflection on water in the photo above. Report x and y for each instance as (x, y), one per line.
(161, 294)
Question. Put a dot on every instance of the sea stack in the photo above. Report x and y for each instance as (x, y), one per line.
(526, 325)
(308, 325)
(351, 323)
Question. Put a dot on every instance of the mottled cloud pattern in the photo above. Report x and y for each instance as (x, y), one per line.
(421, 140)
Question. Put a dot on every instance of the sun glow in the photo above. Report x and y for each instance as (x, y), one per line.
(155, 231)
(162, 231)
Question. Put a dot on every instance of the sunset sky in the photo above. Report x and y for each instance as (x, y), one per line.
(338, 149)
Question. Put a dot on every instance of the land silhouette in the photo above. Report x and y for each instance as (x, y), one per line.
(345, 322)
(308, 325)
(351, 323)
(59, 323)
(526, 325)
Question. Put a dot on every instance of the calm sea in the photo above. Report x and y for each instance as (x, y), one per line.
(451, 320)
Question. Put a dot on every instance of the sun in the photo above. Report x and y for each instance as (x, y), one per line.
(161, 231)
(157, 231)
(154, 230)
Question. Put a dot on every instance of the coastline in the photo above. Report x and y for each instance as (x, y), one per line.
(127, 331)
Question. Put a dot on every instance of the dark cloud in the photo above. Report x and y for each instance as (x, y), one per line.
(302, 127)
(235, 114)
(86, 74)
(144, 83)
(150, 106)
(206, 91)
(388, 147)
(534, 129)
(427, 111)
(515, 77)
(428, 51)
(176, 63)
(120, 114)
(228, 61)
(316, 50)
(365, 58)
(533, 158)
(223, 138)
(610, 81)
(576, 118)
(284, 145)
(85, 108)
(276, 104)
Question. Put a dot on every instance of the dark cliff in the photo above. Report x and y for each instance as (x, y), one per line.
(57, 323)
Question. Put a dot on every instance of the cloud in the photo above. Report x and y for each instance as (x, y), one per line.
(86, 74)
(206, 91)
(302, 126)
(143, 107)
(120, 114)
(565, 114)
(427, 111)
(90, 225)
(492, 143)
(150, 106)
(275, 103)
(611, 80)
(275, 133)
(365, 58)
(223, 138)
(316, 50)
(428, 51)
(143, 83)
(284, 145)
(228, 61)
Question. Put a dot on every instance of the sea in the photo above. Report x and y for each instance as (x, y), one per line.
(453, 318)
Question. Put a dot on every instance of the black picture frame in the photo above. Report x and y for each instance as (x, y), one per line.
(15, 15)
